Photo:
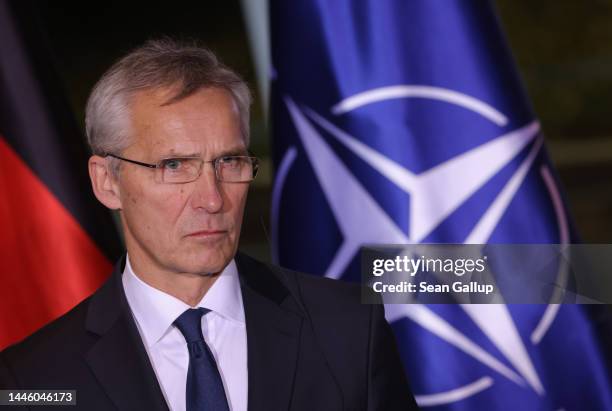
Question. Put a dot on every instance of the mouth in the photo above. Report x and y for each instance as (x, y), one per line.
(204, 234)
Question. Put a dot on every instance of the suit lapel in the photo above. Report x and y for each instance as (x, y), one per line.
(273, 324)
(119, 359)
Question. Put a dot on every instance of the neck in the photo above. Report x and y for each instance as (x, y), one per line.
(187, 287)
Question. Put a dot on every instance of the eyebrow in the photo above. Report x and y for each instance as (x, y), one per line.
(237, 151)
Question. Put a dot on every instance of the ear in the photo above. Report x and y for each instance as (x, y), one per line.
(105, 186)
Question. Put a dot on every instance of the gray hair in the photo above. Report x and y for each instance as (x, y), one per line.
(156, 64)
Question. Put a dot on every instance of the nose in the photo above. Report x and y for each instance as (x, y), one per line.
(206, 194)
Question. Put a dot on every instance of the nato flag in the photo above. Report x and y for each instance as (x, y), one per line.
(405, 122)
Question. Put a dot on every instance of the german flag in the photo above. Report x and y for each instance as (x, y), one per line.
(57, 243)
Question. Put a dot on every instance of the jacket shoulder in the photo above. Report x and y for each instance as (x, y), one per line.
(329, 295)
(315, 293)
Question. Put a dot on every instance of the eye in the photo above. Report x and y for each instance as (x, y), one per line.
(172, 164)
(231, 161)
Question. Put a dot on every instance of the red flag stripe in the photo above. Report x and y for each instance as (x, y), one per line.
(48, 263)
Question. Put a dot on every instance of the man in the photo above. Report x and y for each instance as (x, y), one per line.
(185, 322)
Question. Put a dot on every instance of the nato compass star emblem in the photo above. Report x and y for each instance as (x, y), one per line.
(434, 194)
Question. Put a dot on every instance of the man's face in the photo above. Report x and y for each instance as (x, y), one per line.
(192, 227)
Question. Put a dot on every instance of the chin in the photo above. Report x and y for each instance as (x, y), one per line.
(206, 262)
(197, 255)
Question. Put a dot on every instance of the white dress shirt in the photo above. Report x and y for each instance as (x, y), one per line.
(224, 331)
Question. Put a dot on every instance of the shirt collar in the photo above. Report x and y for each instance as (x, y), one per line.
(155, 310)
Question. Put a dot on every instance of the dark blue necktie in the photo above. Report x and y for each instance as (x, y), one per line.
(204, 386)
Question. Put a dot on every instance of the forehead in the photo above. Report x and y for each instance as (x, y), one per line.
(205, 123)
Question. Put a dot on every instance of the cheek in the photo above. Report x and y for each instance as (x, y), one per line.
(168, 208)
(234, 199)
(238, 199)
(155, 212)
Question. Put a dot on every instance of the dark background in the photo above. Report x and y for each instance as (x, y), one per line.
(563, 49)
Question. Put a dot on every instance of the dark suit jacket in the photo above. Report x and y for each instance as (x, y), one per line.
(311, 346)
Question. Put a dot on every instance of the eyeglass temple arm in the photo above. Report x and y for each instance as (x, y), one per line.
(133, 161)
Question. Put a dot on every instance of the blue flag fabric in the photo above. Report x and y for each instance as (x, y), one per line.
(405, 122)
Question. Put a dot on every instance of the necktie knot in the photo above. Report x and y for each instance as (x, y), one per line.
(190, 324)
